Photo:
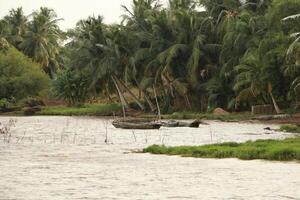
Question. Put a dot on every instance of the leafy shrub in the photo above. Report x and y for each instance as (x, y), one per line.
(5, 105)
(19, 76)
(71, 86)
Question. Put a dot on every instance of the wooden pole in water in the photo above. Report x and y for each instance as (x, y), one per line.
(158, 109)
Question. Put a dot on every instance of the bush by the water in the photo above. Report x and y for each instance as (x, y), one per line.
(71, 87)
(19, 76)
(292, 128)
(283, 150)
(5, 105)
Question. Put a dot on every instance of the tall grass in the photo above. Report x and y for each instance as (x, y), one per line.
(290, 128)
(281, 150)
(88, 109)
(209, 116)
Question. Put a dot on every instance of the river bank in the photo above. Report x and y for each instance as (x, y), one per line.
(115, 110)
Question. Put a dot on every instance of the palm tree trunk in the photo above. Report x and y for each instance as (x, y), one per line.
(108, 94)
(277, 109)
(167, 82)
(298, 57)
(148, 101)
(122, 99)
(131, 94)
(157, 104)
(187, 101)
(140, 93)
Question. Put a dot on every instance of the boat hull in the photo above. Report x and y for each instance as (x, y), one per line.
(140, 125)
(194, 124)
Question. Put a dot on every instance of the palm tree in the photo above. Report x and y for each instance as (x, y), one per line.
(17, 23)
(182, 4)
(4, 45)
(220, 93)
(171, 49)
(105, 51)
(3, 34)
(241, 33)
(294, 49)
(252, 81)
(293, 53)
(183, 52)
(42, 40)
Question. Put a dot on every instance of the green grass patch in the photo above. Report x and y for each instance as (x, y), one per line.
(210, 116)
(281, 150)
(87, 109)
(291, 128)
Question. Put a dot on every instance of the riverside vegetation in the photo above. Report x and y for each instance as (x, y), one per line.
(195, 54)
(87, 109)
(290, 128)
(281, 150)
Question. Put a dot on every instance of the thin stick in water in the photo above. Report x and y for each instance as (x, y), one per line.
(134, 136)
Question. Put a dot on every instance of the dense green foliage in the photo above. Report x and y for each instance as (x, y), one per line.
(38, 37)
(71, 87)
(283, 150)
(196, 54)
(5, 105)
(19, 76)
(231, 55)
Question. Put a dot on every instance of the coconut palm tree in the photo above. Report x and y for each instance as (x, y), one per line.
(105, 51)
(252, 81)
(241, 33)
(3, 34)
(293, 53)
(17, 23)
(185, 52)
(294, 49)
(170, 49)
(3, 44)
(42, 40)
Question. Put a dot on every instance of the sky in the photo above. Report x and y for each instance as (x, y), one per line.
(71, 10)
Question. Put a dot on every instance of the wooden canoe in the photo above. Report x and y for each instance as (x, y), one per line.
(173, 123)
(135, 125)
(135, 120)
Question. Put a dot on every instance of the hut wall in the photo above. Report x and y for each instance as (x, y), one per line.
(262, 109)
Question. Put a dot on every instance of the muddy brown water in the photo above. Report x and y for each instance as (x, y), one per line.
(49, 158)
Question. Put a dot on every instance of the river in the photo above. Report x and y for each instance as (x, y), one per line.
(53, 158)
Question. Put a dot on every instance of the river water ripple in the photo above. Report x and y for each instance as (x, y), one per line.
(53, 158)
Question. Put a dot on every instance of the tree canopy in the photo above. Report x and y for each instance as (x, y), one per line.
(19, 76)
(196, 53)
